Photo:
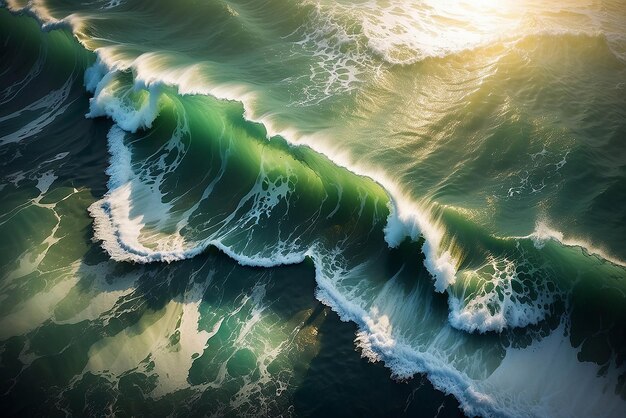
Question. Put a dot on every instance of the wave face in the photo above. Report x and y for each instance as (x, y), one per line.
(446, 178)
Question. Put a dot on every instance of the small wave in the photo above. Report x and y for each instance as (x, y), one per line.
(543, 234)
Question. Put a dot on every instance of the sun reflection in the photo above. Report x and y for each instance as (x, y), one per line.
(406, 32)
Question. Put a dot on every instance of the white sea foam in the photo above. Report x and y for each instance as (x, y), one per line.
(114, 224)
(108, 101)
(405, 220)
(501, 299)
(340, 64)
(111, 4)
(94, 75)
(404, 33)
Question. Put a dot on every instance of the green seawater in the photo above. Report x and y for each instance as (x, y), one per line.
(313, 208)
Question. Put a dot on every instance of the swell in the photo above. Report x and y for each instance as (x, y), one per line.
(407, 218)
(404, 220)
(374, 337)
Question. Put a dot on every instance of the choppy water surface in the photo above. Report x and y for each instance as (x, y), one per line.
(313, 208)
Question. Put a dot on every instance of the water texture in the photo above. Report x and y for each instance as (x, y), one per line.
(234, 208)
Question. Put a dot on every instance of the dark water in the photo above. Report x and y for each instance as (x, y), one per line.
(299, 208)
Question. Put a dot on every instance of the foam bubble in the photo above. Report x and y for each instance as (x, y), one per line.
(504, 294)
(339, 65)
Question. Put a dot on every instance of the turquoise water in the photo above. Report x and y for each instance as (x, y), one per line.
(298, 208)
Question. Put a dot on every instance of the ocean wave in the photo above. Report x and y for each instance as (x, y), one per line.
(119, 231)
(406, 219)
(543, 234)
(119, 226)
